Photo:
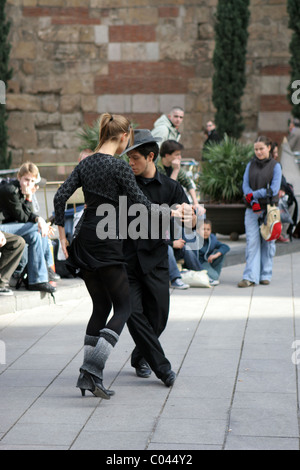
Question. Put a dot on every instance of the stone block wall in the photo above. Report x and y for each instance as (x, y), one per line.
(74, 59)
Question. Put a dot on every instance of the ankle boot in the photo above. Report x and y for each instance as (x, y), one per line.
(96, 352)
(93, 384)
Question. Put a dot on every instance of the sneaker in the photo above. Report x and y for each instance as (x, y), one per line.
(143, 369)
(179, 284)
(170, 379)
(264, 282)
(214, 282)
(5, 291)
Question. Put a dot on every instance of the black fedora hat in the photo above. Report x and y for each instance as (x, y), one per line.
(141, 136)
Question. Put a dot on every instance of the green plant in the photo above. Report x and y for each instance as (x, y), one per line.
(229, 59)
(222, 173)
(5, 75)
(294, 24)
(89, 136)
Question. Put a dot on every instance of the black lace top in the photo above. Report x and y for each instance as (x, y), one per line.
(106, 176)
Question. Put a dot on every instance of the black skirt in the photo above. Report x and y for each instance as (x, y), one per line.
(88, 252)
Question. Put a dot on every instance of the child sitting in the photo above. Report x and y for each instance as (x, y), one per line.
(212, 253)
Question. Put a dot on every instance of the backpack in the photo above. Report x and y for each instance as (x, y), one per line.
(271, 227)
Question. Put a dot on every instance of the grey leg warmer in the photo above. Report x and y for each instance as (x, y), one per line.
(97, 350)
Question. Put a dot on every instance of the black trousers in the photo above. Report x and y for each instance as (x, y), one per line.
(150, 300)
(11, 254)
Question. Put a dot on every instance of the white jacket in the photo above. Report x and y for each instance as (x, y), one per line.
(164, 129)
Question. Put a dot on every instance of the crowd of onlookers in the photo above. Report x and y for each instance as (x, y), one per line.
(26, 254)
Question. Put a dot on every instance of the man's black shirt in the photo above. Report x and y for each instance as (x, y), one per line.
(153, 252)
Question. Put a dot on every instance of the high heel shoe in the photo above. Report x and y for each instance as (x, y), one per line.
(93, 384)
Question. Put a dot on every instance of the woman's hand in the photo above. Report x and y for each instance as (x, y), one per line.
(63, 241)
(64, 244)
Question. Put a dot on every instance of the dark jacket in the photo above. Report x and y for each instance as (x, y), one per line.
(13, 204)
(154, 252)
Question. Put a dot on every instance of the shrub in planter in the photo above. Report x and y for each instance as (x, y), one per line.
(220, 185)
(222, 172)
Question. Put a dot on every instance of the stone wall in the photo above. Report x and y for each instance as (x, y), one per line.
(74, 59)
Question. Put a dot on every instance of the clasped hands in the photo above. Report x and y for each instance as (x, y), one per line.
(186, 213)
(255, 205)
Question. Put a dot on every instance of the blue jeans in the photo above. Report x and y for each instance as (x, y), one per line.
(192, 262)
(174, 272)
(259, 252)
(38, 250)
(190, 258)
(214, 268)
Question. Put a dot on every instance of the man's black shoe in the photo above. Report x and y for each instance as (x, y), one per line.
(143, 370)
(52, 275)
(169, 379)
(42, 287)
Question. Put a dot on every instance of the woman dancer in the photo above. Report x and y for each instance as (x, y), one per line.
(103, 179)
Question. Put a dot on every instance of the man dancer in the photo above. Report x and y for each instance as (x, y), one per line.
(147, 264)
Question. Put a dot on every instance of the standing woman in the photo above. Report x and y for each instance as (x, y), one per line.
(263, 170)
(103, 179)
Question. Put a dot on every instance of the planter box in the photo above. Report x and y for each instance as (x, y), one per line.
(227, 219)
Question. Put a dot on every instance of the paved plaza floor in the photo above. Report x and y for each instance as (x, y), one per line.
(235, 352)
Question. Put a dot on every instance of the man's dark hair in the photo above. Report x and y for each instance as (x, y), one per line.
(170, 146)
(145, 149)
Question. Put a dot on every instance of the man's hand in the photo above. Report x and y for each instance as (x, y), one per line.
(2, 239)
(185, 213)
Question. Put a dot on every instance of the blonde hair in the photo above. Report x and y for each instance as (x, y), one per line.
(110, 128)
(28, 167)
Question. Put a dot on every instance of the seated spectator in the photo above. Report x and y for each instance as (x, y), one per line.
(210, 256)
(213, 252)
(11, 249)
(169, 163)
(20, 219)
(294, 135)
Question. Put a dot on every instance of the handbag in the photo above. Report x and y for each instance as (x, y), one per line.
(195, 278)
